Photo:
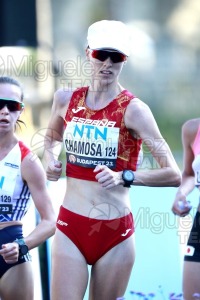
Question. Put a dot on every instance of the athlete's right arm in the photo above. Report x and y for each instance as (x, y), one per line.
(180, 205)
(54, 133)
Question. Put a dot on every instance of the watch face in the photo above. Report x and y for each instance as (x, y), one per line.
(23, 249)
(128, 175)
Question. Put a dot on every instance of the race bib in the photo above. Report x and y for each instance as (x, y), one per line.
(89, 145)
(7, 186)
(197, 178)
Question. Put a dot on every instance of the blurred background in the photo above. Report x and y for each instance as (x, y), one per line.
(42, 44)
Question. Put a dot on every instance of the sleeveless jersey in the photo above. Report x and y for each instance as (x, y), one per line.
(196, 162)
(93, 137)
(15, 197)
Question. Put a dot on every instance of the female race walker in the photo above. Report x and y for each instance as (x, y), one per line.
(21, 177)
(103, 126)
(190, 180)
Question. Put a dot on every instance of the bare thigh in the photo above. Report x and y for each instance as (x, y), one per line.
(17, 283)
(69, 276)
(191, 279)
(110, 275)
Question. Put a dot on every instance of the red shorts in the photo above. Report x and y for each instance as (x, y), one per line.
(94, 237)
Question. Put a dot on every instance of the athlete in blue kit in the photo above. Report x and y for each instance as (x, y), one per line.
(22, 179)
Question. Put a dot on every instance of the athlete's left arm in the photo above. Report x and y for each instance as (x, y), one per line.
(33, 173)
(140, 120)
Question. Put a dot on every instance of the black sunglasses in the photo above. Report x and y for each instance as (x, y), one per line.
(11, 104)
(102, 55)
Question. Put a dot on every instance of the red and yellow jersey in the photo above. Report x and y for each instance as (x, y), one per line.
(95, 137)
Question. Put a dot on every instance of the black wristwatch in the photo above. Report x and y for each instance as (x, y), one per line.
(128, 177)
(23, 248)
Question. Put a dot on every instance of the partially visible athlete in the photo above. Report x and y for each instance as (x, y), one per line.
(102, 127)
(22, 179)
(190, 180)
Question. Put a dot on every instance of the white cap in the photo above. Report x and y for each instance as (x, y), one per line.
(109, 35)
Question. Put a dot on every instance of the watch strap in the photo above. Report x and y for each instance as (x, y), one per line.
(127, 184)
(20, 242)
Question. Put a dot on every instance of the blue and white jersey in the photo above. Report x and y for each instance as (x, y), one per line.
(15, 197)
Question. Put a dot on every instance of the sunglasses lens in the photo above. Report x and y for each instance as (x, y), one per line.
(103, 55)
(117, 57)
(11, 105)
(100, 55)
